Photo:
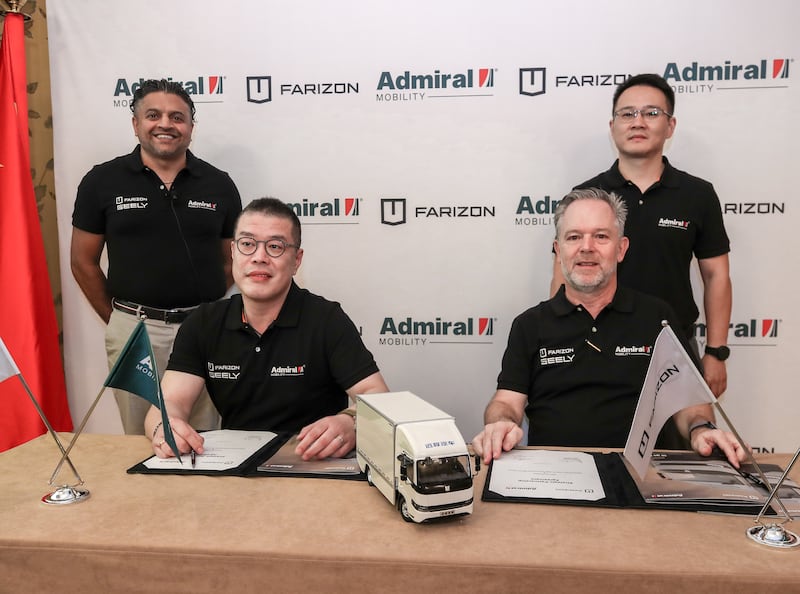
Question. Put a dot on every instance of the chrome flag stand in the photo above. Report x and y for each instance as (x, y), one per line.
(774, 534)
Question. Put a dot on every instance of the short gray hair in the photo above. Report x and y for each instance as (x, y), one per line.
(614, 201)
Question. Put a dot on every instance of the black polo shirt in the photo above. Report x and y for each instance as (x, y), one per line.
(295, 373)
(164, 247)
(677, 217)
(583, 376)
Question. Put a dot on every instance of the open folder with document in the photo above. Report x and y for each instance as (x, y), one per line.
(228, 452)
(674, 480)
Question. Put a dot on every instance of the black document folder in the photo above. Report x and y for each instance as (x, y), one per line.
(659, 490)
(259, 464)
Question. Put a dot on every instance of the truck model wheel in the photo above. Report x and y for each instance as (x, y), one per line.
(404, 509)
(369, 477)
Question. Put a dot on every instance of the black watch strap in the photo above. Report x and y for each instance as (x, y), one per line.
(706, 424)
(721, 352)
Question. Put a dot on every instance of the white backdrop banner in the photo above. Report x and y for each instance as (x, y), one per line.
(426, 144)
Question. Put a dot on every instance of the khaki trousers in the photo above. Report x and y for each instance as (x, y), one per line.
(132, 408)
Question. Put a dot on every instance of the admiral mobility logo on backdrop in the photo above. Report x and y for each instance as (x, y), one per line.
(203, 89)
(259, 89)
(697, 77)
(414, 86)
(533, 81)
(535, 212)
(752, 332)
(394, 211)
(413, 332)
(337, 211)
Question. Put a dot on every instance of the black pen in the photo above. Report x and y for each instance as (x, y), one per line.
(193, 456)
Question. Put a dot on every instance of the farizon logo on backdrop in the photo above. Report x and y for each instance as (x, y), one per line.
(410, 331)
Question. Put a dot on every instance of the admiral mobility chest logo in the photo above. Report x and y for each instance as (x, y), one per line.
(633, 350)
(698, 77)
(203, 89)
(410, 331)
(673, 223)
(287, 371)
(338, 211)
(414, 86)
(202, 205)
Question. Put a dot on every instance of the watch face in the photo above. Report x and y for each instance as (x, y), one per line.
(721, 353)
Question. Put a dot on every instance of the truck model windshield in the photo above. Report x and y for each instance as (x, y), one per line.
(437, 471)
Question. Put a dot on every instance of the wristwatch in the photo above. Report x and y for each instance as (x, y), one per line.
(720, 352)
(705, 424)
(350, 412)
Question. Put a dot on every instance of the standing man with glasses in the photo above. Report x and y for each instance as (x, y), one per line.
(672, 217)
(276, 357)
(166, 219)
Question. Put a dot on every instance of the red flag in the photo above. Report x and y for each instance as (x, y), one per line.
(27, 317)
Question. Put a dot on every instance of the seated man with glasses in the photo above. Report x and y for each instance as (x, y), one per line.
(276, 357)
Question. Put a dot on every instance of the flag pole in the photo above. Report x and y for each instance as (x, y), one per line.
(66, 493)
(77, 434)
(752, 460)
(15, 7)
(775, 535)
(715, 401)
(47, 424)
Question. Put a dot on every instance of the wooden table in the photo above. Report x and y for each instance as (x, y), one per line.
(146, 533)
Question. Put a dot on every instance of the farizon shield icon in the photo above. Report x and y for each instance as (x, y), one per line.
(259, 89)
(532, 81)
(393, 211)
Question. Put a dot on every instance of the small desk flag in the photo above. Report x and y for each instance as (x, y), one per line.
(135, 371)
(7, 366)
(673, 383)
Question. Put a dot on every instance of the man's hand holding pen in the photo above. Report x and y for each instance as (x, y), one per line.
(186, 438)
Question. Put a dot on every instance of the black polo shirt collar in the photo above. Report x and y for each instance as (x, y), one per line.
(288, 317)
(133, 160)
(614, 180)
(622, 302)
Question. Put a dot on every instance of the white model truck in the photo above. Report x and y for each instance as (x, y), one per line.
(414, 454)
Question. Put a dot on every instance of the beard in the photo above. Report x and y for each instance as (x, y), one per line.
(584, 283)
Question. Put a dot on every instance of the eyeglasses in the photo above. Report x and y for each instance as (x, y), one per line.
(248, 246)
(648, 113)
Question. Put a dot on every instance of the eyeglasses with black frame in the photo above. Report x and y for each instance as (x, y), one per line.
(628, 114)
(274, 247)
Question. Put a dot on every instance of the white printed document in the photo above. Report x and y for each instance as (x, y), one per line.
(546, 474)
(222, 450)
